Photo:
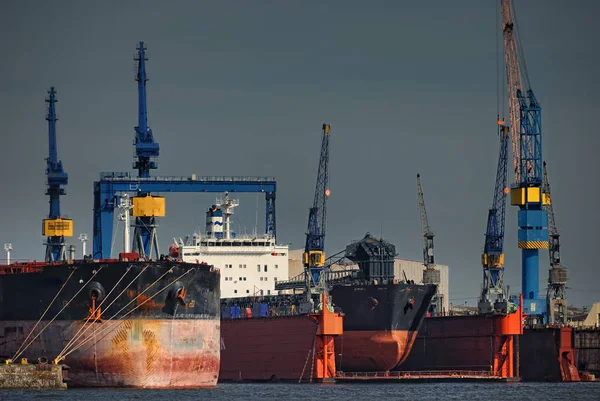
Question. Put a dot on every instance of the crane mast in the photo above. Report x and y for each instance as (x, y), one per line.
(557, 277)
(492, 258)
(430, 275)
(145, 206)
(55, 228)
(526, 125)
(314, 250)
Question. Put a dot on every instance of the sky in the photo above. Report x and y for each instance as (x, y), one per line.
(242, 88)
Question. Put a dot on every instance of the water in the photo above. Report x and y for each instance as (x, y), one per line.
(324, 392)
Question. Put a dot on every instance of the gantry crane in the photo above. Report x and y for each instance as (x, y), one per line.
(431, 275)
(55, 228)
(526, 126)
(492, 258)
(557, 278)
(145, 206)
(314, 249)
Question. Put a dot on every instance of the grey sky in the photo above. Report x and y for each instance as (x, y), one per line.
(243, 88)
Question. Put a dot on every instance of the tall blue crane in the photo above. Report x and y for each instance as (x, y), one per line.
(492, 258)
(55, 228)
(526, 125)
(556, 296)
(145, 207)
(314, 250)
(431, 275)
(146, 149)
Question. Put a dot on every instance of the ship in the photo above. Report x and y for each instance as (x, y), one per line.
(269, 332)
(123, 322)
(116, 322)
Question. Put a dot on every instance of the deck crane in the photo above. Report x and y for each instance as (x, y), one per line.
(557, 279)
(492, 258)
(431, 275)
(526, 126)
(55, 228)
(314, 250)
(145, 206)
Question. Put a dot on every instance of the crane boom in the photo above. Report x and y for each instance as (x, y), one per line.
(492, 258)
(554, 246)
(513, 78)
(314, 250)
(428, 255)
(557, 277)
(430, 275)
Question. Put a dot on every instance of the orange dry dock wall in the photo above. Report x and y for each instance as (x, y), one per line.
(330, 327)
(485, 343)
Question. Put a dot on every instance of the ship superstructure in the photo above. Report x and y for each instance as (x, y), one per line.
(250, 264)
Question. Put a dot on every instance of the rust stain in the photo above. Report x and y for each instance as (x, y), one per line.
(144, 300)
(153, 350)
(121, 353)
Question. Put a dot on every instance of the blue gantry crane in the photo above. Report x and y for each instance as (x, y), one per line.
(493, 293)
(314, 249)
(526, 126)
(55, 228)
(145, 206)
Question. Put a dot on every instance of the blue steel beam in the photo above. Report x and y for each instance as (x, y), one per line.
(111, 184)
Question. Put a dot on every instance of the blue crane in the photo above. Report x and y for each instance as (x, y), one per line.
(146, 208)
(526, 125)
(492, 258)
(314, 250)
(146, 149)
(55, 228)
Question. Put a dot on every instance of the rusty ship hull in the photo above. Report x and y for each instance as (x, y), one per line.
(273, 338)
(118, 324)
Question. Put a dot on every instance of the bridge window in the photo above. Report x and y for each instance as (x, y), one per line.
(235, 291)
(258, 268)
(265, 268)
(277, 266)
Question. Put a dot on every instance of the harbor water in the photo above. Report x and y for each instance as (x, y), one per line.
(277, 391)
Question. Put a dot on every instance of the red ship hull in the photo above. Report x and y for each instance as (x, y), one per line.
(278, 348)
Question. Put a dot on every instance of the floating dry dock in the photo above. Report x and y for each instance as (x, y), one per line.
(39, 376)
(421, 376)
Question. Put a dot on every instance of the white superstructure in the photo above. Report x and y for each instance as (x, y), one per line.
(250, 265)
